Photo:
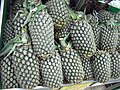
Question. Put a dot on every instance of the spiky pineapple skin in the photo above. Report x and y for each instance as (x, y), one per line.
(26, 67)
(18, 23)
(82, 38)
(104, 16)
(59, 13)
(72, 66)
(115, 65)
(8, 77)
(101, 66)
(51, 71)
(118, 45)
(109, 37)
(15, 7)
(41, 31)
(61, 33)
(87, 67)
(93, 21)
(9, 31)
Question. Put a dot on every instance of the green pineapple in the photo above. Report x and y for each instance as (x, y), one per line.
(115, 65)
(104, 16)
(109, 37)
(82, 37)
(93, 21)
(9, 32)
(71, 63)
(59, 12)
(41, 31)
(26, 66)
(51, 71)
(101, 66)
(87, 67)
(118, 45)
(8, 77)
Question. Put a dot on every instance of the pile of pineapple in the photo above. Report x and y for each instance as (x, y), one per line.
(51, 45)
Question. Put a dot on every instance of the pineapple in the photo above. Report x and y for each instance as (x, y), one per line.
(115, 65)
(87, 67)
(71, 63)
(109, 37)
(8, 77)
(101, 66)
(51, 71)
(118, 45)
(26, 66)
(117, 18)
(92, 20)
(82, 37)
(41, 30)
(104, 16)
(59, 12)
(9, 32)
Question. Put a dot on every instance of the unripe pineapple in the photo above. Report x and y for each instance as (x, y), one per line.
(109, 37)
(51, 71)
(93, 21)
(41, 31)
(115, 65)
(59, 12)
(118, 45)
(9, 32)
(104, 16)
(8, 77)
(117, 18)
(87, 67)
(82, 37)
(26, 66)
(101, 66)
(71, 63)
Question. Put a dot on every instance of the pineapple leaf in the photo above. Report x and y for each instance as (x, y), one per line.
(28, 18)
(73, 15)
(9, 46)
(79, 4)
(13, 48)
(20, 11)
(95, 14)
(40, 7)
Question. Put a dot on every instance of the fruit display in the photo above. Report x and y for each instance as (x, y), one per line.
(48, 43)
